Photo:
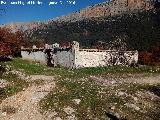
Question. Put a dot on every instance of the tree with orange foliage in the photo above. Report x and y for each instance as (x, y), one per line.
(10, 42)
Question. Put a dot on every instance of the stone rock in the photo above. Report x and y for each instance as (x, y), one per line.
(135, 98)
(50, 115)
(4, 114)
(3, 83)
(77, 101)
(116, 114)
(113, 82)
(121, 93)
(132, 106)
(112, 108)
(72, 117)
(69, 110)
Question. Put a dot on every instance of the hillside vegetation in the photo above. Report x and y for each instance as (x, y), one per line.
(139, 30)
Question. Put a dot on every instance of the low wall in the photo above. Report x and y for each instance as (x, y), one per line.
(73, 58)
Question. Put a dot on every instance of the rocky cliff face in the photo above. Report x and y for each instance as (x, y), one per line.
(115, 7)
(111, 8)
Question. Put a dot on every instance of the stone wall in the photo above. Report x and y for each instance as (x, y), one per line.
(63, 58)
(105, 58)
(89, 59)
(74, 57)
(38, 56)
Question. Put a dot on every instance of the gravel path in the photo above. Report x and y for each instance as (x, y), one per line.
(25, 103)
(147, 80)
(110, 81)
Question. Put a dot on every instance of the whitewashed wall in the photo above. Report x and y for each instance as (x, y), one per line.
(64, 58)
(38, 56)
(77, 58)
(80, 59)
(89, 59)
(94, 59)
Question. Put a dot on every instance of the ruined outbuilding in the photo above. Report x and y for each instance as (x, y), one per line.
(74, 57)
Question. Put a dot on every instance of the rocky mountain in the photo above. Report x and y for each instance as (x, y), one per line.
(108, 8)
(115, 7)
(133, 23)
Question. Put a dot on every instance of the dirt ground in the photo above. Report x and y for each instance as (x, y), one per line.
(25, 103)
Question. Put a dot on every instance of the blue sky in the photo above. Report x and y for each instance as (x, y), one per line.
(27, 12)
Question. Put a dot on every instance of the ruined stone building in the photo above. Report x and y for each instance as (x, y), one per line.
(74, 57)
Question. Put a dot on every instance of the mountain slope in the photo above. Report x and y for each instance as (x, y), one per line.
(139, 29)
(133, 23)
(110, 8)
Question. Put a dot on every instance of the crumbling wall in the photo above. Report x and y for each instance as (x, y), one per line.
(89, 59)
(38, 56)
(105, 58)
(64, 58)
(74, 57)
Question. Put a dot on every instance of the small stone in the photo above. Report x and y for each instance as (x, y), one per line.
(113, 82)
(4, 114)
(72, 117)
(132, 106)
(112, 108)
(117, 115)
(135, 98)
(137, 108)
(69, 110)
(76, 101)
(121, 93)
(51, 114)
